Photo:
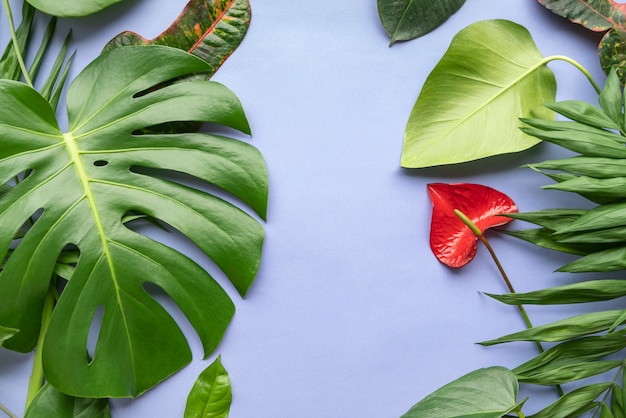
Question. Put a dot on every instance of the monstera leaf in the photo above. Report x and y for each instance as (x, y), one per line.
(78, 188)
(71, 8)
(469, 107)
(210, 29)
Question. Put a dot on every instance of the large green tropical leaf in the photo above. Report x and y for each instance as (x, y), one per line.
(469, 107)
(410, 19)
(71, 8)
(80, 187)
(483, 393)
(210, 29)
(211, 394)
(49, 402)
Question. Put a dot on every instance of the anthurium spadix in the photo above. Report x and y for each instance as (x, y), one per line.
(451, 240)
(80, 185)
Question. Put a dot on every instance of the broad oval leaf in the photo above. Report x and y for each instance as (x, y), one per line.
(81, 186)
(211, 30)
(469, 107)
(409, 19)
(211, 394)
(483, 393)
(453, 242)
(49, 402)
(71, 8)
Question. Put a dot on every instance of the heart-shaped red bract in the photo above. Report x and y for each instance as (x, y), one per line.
(453, 242)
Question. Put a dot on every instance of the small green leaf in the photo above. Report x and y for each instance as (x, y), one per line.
(611, 98)
(483, 393)
(211, 394)
(410, 19)
(545, 238)
(491, 75)
(49, 402)
(612, 259)
(550, 218)
(549, 376)
(586, 166)
(574, 403)
(71, 8)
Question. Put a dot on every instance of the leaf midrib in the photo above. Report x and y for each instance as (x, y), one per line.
(81, 172)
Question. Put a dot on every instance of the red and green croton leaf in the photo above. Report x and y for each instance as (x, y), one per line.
(209, 29)
(451, 240)
(599, 16)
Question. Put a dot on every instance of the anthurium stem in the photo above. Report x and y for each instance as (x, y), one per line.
(476, 230)
(37, 376)
(16, 48)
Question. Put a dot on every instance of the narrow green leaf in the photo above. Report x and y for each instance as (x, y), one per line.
(550, 376)
(605, 216)
(573, 327)
(612, 259)
(586, 166)
(49, 402)
(573, 403)
(581, 292)
(607, 236)
(584, 113)
(9, 65)
(409, 19)
(617, 400)
(33, 71)
(568, 353)
(552, 219)
(483, 393)
(610, 189)
(55, 77)
(545, 238)
(211, 30)
(592, 145)
(605, 411)
(611, 98)
(211, 394)
(491, 75)
(71, 8)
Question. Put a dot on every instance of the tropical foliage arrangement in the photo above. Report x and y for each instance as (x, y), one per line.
(585, 351)
(80, 282)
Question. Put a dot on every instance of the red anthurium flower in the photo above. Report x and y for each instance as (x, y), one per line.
(452, 241)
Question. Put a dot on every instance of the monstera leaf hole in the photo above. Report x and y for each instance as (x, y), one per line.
(94, 332)
(100, 163)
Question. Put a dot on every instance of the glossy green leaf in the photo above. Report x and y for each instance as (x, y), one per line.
(409, 19)
(100, 167)
(604, 168)
(49, 402)
(574, 403)
(592, 145)
(211, 30)
(584, 113)
(6, 333)
(71, 8)
(565, 329)
(491, 75)
(550, 218)
(581, 292)
(211, 394)
(545, 238)
(483, 393)
(610, 98)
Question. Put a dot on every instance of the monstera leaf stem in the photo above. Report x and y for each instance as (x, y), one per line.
(7, 412)
(577, 65)
(18, 53)
(37, 377)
